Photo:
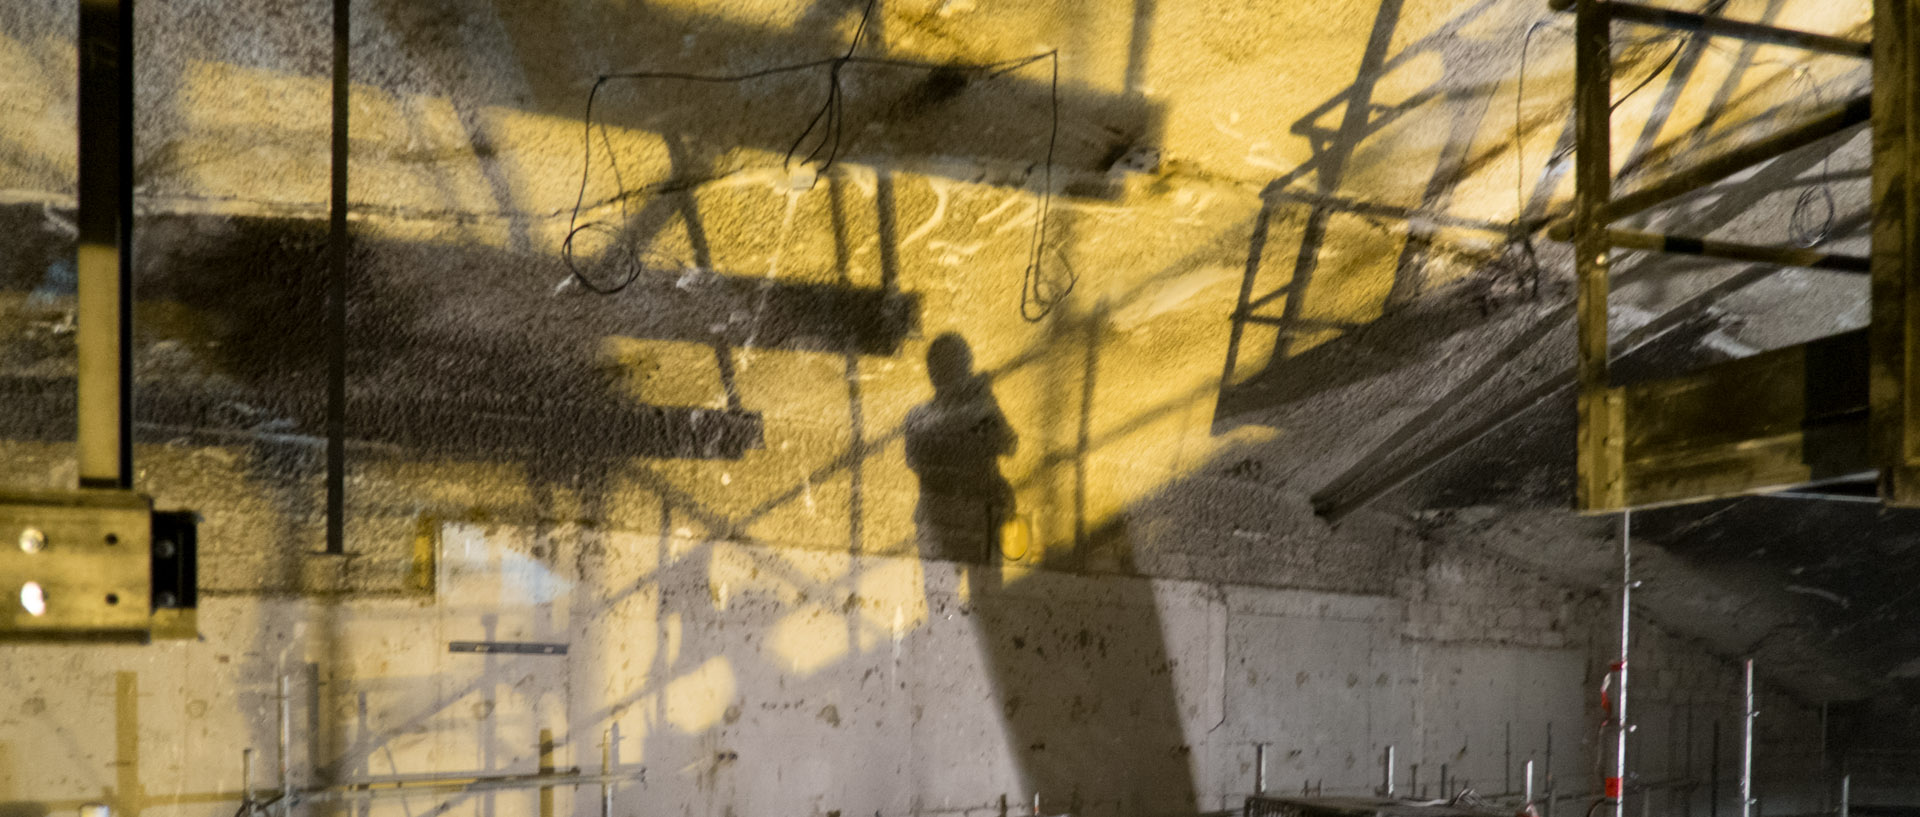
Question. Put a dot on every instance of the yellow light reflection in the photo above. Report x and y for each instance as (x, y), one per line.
(699, 699)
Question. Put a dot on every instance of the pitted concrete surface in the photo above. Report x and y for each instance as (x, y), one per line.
(1279, 255)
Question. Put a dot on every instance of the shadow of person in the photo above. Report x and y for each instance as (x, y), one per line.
(1080, 668)
(954, 442)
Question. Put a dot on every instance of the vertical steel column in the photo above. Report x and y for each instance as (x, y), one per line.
(1259, 768)
(1387, 769)
(337, 291)
(1846, 793)
(1601, 425)
(104, 336)
(1746, 748)
(1526, 797)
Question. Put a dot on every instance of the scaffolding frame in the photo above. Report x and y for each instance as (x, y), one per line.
(1833, 410)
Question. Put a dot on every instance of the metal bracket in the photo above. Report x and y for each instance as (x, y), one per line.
(99, 563)
(95, 565)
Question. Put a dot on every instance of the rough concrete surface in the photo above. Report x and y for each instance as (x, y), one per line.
(1278, 258)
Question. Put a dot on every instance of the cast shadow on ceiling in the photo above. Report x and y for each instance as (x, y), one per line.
(1311, 355)
(1504, 290)
(941, 119)
(462, 351)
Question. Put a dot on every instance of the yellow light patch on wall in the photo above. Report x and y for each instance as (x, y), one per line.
(1258, 342)
(37, 137)
(769, 14)
(1411, 79)
(413, 158)
(699, 699)
(284, 160)
(1358, 261)
(892, 600)
(809, 638)
(542, 157)
(665, 372)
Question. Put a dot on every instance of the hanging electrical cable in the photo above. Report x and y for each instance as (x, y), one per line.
(826, 129)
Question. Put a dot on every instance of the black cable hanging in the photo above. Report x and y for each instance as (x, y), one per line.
(1037, 297)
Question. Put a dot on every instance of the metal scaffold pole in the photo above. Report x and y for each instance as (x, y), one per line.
(1617, 787)
(1746, 747)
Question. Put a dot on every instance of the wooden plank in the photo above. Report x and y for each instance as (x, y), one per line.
(1778, 419)
(1895, 323)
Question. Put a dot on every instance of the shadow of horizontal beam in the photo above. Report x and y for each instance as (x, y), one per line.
(464, 427)
(742, 311)
(923, 116)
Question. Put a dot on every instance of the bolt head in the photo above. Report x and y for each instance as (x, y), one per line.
(163, 548)
(32, 540)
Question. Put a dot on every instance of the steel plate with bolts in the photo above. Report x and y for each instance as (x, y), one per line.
(76, 562)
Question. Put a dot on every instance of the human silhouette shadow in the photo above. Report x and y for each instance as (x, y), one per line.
(954, 442)
(1081, 670)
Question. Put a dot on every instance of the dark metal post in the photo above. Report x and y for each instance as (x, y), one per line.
(104, 335)
(1713, 787)
(546, 768)
(337, 291)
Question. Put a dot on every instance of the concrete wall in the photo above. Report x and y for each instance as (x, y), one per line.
(753, 680)
(749, 680)
(706, 485)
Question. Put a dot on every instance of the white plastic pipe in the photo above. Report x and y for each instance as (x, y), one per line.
(1746, 748)
(1626, 607)
(286, 741)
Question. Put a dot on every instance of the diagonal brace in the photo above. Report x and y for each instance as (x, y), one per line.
(1853, 112)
